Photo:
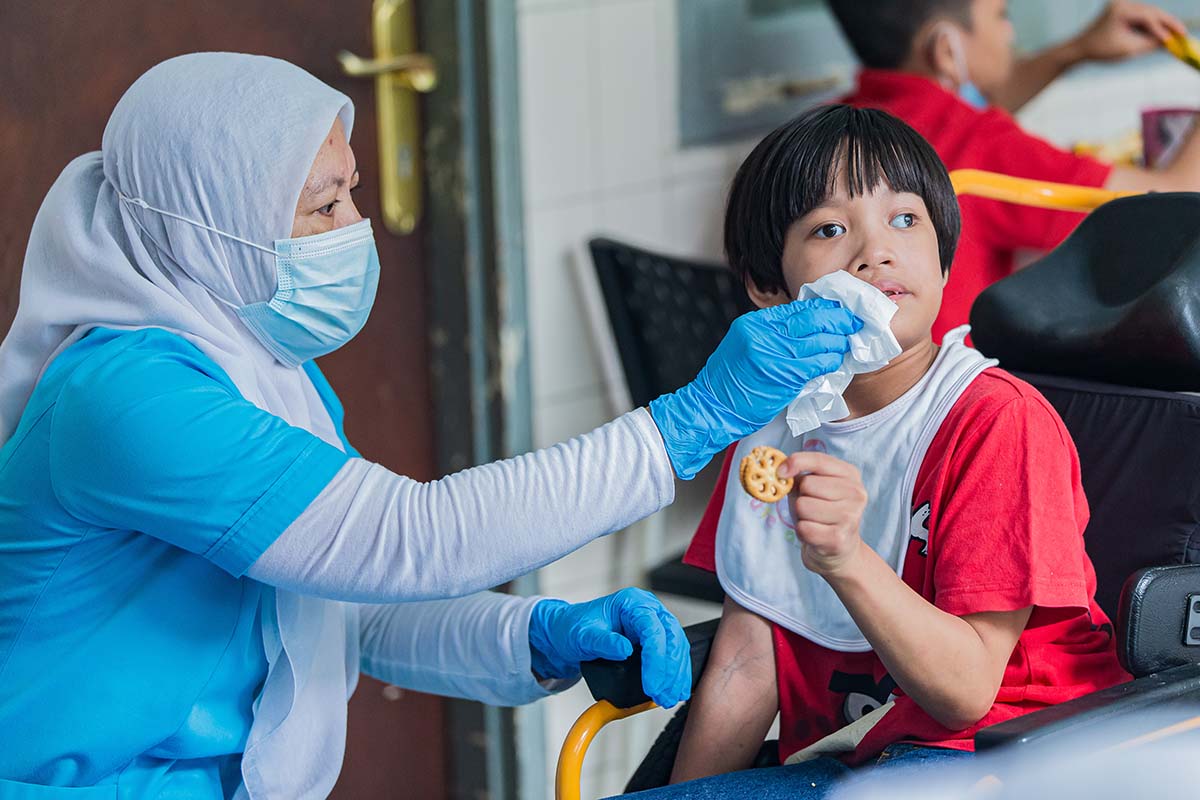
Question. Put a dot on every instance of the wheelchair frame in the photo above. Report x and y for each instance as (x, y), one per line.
(980, 183)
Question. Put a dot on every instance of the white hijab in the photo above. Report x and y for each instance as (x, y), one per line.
(226, 141)
(222, 139)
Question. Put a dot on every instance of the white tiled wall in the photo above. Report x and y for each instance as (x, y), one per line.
(601, 156)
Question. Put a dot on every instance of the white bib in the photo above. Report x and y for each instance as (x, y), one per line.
(757, 553)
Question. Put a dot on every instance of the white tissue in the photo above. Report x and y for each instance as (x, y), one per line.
(870, 349)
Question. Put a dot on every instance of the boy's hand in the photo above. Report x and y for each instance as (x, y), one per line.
(1127, 29)
(828, 500)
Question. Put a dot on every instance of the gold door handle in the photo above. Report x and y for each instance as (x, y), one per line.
(416, 70)
(400, 74)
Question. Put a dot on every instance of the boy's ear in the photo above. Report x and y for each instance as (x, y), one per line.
(934, 54)
(765, 299)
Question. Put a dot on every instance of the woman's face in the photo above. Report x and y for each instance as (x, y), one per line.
(325, 202)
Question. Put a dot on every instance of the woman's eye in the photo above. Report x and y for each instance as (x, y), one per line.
(829, 231)
(904, 220)
(326, 211)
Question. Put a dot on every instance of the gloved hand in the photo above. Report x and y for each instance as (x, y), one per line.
(561, 635)
(760, 366)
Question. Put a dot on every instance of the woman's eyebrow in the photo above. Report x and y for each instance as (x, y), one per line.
(322, 184)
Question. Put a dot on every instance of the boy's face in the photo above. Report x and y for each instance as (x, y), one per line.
(885, 238)
(989, 45)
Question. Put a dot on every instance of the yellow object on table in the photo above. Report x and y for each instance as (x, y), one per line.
(1185, 48)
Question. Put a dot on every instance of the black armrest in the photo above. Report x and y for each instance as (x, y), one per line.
(1175, 689)
(675, 577)
(1159, 612)
(620, 682)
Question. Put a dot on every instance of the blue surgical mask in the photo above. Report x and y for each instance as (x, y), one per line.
(326, 287)
(969, 93)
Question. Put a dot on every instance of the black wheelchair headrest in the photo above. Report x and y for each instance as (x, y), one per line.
(1118, 301)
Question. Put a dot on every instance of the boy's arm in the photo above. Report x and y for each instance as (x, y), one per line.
(1181, 175)
(1124, 30)
(736, 701)
(951, 666)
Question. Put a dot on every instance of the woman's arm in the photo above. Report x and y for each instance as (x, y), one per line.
(375, 537)
(736, 701)
(474, 647)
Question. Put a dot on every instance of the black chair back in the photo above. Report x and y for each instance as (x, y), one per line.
(667, 314)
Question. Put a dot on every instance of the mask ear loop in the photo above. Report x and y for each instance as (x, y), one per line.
(140, 203)
(954, 38)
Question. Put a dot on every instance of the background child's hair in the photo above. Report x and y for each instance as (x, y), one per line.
(882, 31)
(796, 167)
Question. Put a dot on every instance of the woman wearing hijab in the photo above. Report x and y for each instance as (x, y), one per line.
(194, 562)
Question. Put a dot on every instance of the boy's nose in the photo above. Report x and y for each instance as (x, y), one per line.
(873, 256)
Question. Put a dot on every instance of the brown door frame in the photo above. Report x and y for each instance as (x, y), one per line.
(475, 253)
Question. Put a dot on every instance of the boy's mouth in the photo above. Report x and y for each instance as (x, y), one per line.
(893, 291)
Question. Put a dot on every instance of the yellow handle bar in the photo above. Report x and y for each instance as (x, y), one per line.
(570, 759)
(1027, 192)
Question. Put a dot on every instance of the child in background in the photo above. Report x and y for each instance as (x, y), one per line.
(927, 575)
(946, 67)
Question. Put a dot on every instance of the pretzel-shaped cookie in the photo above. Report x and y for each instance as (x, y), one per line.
(757, 473)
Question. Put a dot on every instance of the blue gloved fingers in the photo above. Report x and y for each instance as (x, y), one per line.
(597, 640)
(823, 363)
(809, 346)
(816, 313)
(666, 653)
(806, 321)
(679, 653)
(641, 622)
(785, 310)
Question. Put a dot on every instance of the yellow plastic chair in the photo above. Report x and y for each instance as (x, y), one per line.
(1023, 191)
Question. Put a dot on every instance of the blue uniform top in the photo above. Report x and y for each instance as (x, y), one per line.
(135, 492)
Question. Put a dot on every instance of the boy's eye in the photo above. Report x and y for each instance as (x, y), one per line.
(904, 220)
(829, 230)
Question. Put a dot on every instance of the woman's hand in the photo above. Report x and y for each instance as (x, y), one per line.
(1127, 29)
(562, 635)
(758, 368)
(828, 500)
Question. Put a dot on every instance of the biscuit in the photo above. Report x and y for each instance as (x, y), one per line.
(757, 473)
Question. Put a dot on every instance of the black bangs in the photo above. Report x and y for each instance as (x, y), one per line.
(797, 167)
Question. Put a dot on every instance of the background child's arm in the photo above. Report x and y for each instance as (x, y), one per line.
(951, 666)
(736, 701)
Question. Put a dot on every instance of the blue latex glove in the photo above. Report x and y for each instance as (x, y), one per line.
(758, 368)
(561, 635)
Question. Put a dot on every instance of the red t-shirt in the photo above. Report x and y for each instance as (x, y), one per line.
(965, 137)
(1005, 518)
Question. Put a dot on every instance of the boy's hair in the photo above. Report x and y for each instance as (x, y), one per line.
(797, 167)
(882, 31)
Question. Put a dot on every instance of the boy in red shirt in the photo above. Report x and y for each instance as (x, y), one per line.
(946, 67)
(927, 575)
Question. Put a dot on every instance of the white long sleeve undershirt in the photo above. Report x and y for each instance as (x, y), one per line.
(417, 555)
(372, 536)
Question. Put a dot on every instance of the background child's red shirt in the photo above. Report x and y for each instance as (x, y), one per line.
(965, 137)
(1005, 511)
